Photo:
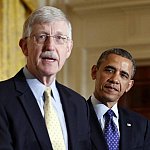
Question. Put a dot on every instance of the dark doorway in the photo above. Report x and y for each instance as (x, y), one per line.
(138, 98)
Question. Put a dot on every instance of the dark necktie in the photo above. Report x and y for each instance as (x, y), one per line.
(111, 131)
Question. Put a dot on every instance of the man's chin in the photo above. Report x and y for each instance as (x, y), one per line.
(109, 99)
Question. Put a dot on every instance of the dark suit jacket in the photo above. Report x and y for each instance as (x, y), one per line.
(22, 126)
(134, 137)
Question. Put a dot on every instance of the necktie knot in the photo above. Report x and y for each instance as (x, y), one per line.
(47, 93)
(109, 114)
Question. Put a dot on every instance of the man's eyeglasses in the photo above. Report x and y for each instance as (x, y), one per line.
(58, 39)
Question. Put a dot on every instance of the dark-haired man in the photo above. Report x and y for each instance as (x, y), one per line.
(113, 127)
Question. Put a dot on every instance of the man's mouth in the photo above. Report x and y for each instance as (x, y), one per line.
(111, 87)
(49, 55)
(48, 58)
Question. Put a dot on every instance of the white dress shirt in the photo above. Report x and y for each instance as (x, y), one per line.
(38, 89)
(101, 109)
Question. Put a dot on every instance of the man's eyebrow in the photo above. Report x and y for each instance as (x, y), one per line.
(109, 66)
(124, 72)
(60, 33)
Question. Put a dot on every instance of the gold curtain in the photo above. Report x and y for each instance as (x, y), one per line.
(12, 16)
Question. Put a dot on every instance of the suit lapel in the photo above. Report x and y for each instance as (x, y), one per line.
(69, 113)
(126, 126)
(32, 111)
(96, 131)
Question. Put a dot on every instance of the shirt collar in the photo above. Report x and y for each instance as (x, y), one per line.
(101, 109)
(36, 86)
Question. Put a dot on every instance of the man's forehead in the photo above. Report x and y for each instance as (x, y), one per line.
(117, 58)
(57, 26)
(117, 61)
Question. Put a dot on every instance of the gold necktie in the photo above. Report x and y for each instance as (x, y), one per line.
(52, 123)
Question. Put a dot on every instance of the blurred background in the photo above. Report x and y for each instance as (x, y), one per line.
(97, 26)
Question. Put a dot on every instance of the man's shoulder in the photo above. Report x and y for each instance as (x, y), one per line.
(11, 84)
(67, 90)
(133, 115)
(19, 74)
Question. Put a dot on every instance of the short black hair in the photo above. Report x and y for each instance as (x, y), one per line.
(117, 51)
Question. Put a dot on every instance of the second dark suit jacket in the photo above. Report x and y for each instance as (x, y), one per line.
(22, 126)
(134, 131)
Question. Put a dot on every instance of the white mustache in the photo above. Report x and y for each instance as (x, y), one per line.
(49, 54)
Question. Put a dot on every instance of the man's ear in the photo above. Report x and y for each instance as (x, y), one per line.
(130, 84)
(23, 45)
(69, 48)
(93, 72)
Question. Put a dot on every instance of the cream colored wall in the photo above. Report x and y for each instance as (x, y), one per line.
(126, 25)
(96, 27)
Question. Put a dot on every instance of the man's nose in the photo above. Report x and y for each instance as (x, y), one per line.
(114, 79)
(49, 43)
